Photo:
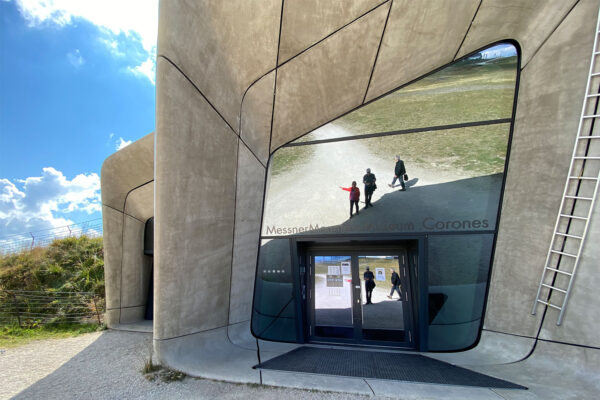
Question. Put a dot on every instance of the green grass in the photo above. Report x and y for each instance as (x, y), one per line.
(13, 336)
(288, 158)
(73, 264)
(475, 150)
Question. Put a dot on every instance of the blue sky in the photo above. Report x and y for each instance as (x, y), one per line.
(76, 83)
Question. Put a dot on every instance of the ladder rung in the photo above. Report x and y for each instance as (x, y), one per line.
(559, 271)
(579, 198)
(588, 137)
(549, 304)
(591, 116)
(567, 235)
(586, 178)
(586, 158)
(593, 95)
(563, 253)
(554, 288)
(595, 74)
(573, 216)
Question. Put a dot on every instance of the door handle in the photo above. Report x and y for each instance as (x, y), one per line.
(357, 287)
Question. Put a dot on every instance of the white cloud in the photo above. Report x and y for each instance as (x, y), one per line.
(75, 58)
(123, 143)
(135, 19)
(44, 202)
(147, 69)
(111, 135)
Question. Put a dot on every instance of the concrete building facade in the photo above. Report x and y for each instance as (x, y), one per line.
(238, 80)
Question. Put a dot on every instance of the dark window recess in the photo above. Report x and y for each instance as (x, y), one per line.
(149, 237)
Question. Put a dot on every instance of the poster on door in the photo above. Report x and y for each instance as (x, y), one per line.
(380, 274)
(334, 278)
(346, 268)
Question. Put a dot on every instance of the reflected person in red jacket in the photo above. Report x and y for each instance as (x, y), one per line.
(354, 196)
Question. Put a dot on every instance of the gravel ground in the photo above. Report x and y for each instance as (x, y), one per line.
(107, 365)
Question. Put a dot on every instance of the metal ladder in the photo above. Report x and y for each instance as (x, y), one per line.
(577, 201)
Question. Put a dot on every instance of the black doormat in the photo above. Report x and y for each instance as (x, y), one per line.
(381, 365)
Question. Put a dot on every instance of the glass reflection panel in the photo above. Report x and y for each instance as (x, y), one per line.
(273, 315)
(454, 184)
(333, 296)
(383, 317)
(458, 275)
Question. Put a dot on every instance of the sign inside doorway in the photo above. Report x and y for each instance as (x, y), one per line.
(346, 268)
(380, 274)
(334, 278)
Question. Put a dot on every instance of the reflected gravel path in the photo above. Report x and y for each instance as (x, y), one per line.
(106, 365)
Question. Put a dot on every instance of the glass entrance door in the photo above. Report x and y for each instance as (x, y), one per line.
(384, 306)
(360, 297)
(332, 292)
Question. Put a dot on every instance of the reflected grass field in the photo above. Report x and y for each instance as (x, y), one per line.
(474, 151)
(287, 158)
(468, 91)
(464, 92)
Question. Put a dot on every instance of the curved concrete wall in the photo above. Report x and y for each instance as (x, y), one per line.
(236, 80)
(127, 180)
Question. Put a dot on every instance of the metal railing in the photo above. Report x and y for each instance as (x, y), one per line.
(26, 241)
(33, 308)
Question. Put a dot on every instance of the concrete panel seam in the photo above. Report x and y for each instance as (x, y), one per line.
(198, 90)
(333, 33)
(237, 166)
(129, 215)
(275, 82)
(279, 38)
(131, 190)
(585, 346)
(510, 334)
(549, 35)
(303, 51)
(250, 150)
(378, 48)
(197, 332)
(468, 30)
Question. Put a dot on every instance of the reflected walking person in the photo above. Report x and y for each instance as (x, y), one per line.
(370, 186)
(369, 283)
(399, 171)
(354, 196)
(395, 284)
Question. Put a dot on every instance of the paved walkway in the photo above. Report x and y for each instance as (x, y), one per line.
(107, 365)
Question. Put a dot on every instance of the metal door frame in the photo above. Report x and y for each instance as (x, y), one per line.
(333, 247)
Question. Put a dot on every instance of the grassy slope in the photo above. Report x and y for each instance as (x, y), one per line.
(67, 265)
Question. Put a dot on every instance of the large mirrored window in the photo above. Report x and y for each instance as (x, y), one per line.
(427, 159)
